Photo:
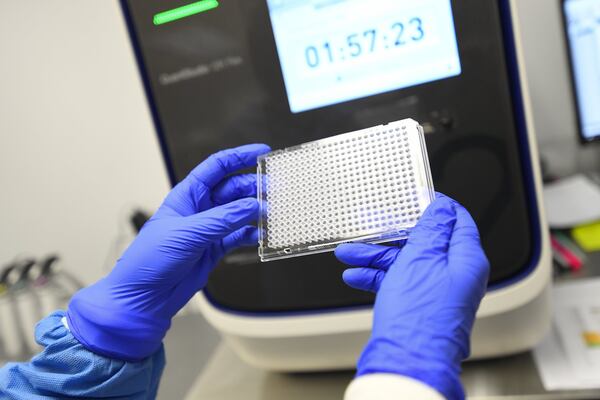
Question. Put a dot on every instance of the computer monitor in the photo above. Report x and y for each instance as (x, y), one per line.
(582, 26)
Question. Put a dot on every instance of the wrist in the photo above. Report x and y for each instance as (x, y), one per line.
(382, 386)
(111, 330)
(434, 369)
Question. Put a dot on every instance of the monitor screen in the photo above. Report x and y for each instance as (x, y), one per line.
(327, 59)
(582, 18)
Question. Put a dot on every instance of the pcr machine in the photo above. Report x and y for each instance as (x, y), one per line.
(223, 73)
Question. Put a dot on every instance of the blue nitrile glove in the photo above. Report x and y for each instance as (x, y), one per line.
(427, 295)
(126, 315)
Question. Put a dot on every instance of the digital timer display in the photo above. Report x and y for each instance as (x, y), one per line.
(332, 51)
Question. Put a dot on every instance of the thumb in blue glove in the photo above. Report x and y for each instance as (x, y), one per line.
(427, 295)
(126, 315)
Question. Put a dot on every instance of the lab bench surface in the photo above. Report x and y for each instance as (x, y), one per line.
(226, 377)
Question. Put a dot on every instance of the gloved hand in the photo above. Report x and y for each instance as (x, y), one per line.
(427, 295)
(126, 315)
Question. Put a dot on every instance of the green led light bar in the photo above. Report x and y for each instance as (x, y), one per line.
(184, 11)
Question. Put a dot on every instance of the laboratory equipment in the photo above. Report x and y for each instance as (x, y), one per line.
(30, 289)
(285, 72)
(369, 186)
(582, 27)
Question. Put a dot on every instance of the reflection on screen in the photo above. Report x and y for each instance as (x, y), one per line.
(583, 27)
(333, 51)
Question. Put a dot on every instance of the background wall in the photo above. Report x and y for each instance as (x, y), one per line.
(78, 148)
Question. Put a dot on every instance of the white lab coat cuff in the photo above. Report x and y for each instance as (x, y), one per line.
(63, 320)
(389, 387)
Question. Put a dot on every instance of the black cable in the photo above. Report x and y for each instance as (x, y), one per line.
(138, 219)
(5, 272)
(14, 273)
(26, 269)
(47, 265)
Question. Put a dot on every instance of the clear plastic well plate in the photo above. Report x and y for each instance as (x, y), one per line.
(367, 186)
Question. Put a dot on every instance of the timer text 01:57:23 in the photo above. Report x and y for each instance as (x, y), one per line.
(372, 40)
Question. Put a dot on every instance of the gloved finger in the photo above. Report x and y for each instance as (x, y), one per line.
(439, 195)
(246, 236)
(465, 233)
(465, 236)
(225, 162)
(367, 279)
(434, 229)
(218, 222)
(234, 187)
(367, 255)
(191, 195)
(465, 243)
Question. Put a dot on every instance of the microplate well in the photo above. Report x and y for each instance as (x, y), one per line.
(368, 186)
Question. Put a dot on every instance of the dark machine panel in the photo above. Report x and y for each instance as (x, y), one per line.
(229, 76)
